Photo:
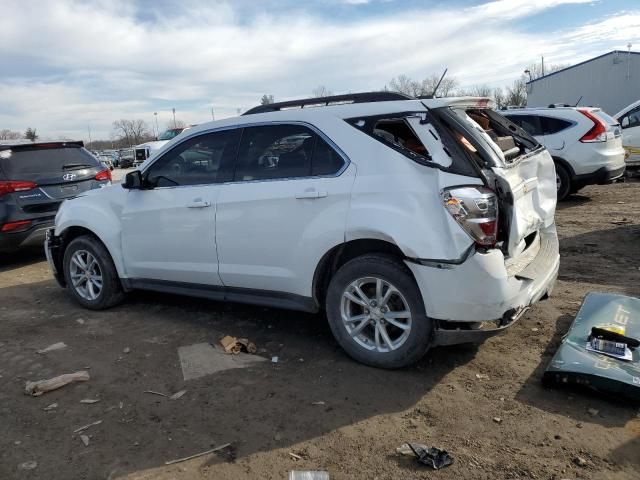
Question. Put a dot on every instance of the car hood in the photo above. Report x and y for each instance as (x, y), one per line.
(153, 146)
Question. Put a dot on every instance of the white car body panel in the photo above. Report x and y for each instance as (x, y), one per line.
(631, 134)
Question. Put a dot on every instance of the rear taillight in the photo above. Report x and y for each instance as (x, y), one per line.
(104, 175)
(15, 186)
(476, 211)
(597, 133)
(15, 226)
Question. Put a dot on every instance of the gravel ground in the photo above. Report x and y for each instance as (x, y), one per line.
(270, 410)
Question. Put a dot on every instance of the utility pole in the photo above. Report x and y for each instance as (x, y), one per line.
(212, 115)
(543, 65)
(629, 60)
(89, 130)
(174, 117)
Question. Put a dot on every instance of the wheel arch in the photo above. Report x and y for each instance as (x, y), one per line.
(566, 165)
(337, 256)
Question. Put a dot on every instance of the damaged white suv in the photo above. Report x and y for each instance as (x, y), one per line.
(412, 222)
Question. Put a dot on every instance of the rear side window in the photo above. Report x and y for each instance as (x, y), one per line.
(551, 125)
(284, 151)
(41, 160)
(200, 160)
(529, 123)
(631, 119)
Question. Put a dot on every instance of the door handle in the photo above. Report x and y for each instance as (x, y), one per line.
(198, 204)
(311, 193)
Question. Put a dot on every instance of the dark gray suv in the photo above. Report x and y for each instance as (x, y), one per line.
(34, 180)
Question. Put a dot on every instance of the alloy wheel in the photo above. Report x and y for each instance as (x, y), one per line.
(86, 275)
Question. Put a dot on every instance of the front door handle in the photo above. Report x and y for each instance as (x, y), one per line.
(198, 204)
(311, 193)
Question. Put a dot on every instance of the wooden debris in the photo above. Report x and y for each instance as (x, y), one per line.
(177, 395)
(221, 447)
(297, 457)
(481, 376)
(50, 407)
(54, 347)
(155, 393)
(83, 428)
(85, 440)
(42, 386)
(235, 345)
(90, 400)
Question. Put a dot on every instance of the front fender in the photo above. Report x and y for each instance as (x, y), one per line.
(103, 222)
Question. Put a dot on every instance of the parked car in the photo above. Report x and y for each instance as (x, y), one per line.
(34, 179)
(629, 119)
(126, 157)
(408, 220)
(585, 143)
(106, 160)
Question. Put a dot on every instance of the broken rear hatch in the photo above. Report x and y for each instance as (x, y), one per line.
(513, 164)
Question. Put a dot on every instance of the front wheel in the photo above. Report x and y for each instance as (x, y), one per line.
(90, 274)
(376, 313)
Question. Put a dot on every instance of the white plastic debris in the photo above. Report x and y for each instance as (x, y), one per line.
(274, 359)
(54, 347)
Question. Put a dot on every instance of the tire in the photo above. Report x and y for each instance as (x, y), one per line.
(358, 338)
(88, 248)
(563, 182)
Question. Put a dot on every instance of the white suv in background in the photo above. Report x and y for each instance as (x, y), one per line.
(629, 119)
(585, 143)
(409, 221)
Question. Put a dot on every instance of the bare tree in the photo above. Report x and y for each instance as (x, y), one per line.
(321, 91)
(6, 134)
(478, 91)
(516, 95)
(414, 88)
(178, 124)
(31, 134)
(132, 132)
(266, 99)
(498, 97)
(535, 70)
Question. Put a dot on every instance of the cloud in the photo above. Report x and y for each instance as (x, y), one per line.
(74, 63)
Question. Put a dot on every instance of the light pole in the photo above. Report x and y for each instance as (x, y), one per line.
(155, 114)
(174, 117)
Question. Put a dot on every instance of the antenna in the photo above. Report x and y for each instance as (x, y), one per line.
(433, 95)
(578, 102)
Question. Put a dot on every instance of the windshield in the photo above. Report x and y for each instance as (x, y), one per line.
(43, 160)
(169, 134)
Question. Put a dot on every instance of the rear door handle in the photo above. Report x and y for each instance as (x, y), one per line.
(311, 193)
(198, 204)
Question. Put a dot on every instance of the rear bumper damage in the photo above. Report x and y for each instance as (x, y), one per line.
(484, 289)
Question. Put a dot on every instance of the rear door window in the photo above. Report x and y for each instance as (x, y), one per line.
(284, 151)
(36, 160)
(551, 125)
(633, 119)
(529, 123)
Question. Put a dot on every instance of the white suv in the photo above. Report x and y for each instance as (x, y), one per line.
(629, 119)
(585, 143)
(410, 221)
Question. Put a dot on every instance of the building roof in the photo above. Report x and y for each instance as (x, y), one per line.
(624, 52)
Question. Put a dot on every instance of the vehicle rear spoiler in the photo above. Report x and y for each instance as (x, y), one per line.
(41, 145)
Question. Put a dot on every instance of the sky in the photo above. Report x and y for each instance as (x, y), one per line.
(67, 66)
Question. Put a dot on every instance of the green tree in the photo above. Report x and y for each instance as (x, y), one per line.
(266, 99)
(31, 134)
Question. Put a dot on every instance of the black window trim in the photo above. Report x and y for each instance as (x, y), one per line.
(346, 160)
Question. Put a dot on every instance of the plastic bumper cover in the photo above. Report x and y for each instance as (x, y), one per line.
(481, 290)
(51, 247)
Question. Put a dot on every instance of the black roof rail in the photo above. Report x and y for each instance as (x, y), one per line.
(365, 97)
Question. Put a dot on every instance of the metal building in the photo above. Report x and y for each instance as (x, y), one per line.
(610, 81)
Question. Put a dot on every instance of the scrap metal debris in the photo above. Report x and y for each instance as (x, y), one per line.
(51, 348)
(85, 440)
(50, 407)
(156, 393)
(221, 447)
(308, 475)
(431, 456)
(90, 400)
(235, 345)
(296, 456)
(28, 465)
(42, 386)
(84, 427)
(177, 395)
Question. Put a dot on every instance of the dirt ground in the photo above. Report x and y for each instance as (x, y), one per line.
(270, 410)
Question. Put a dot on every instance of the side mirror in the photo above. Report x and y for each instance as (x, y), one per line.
(625, 122)
(133, 180)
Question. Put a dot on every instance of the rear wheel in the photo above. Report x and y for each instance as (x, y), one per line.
(90, 274)
(563, 182)
(376, 313)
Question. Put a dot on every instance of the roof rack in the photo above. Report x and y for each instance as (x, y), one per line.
(365, 97)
